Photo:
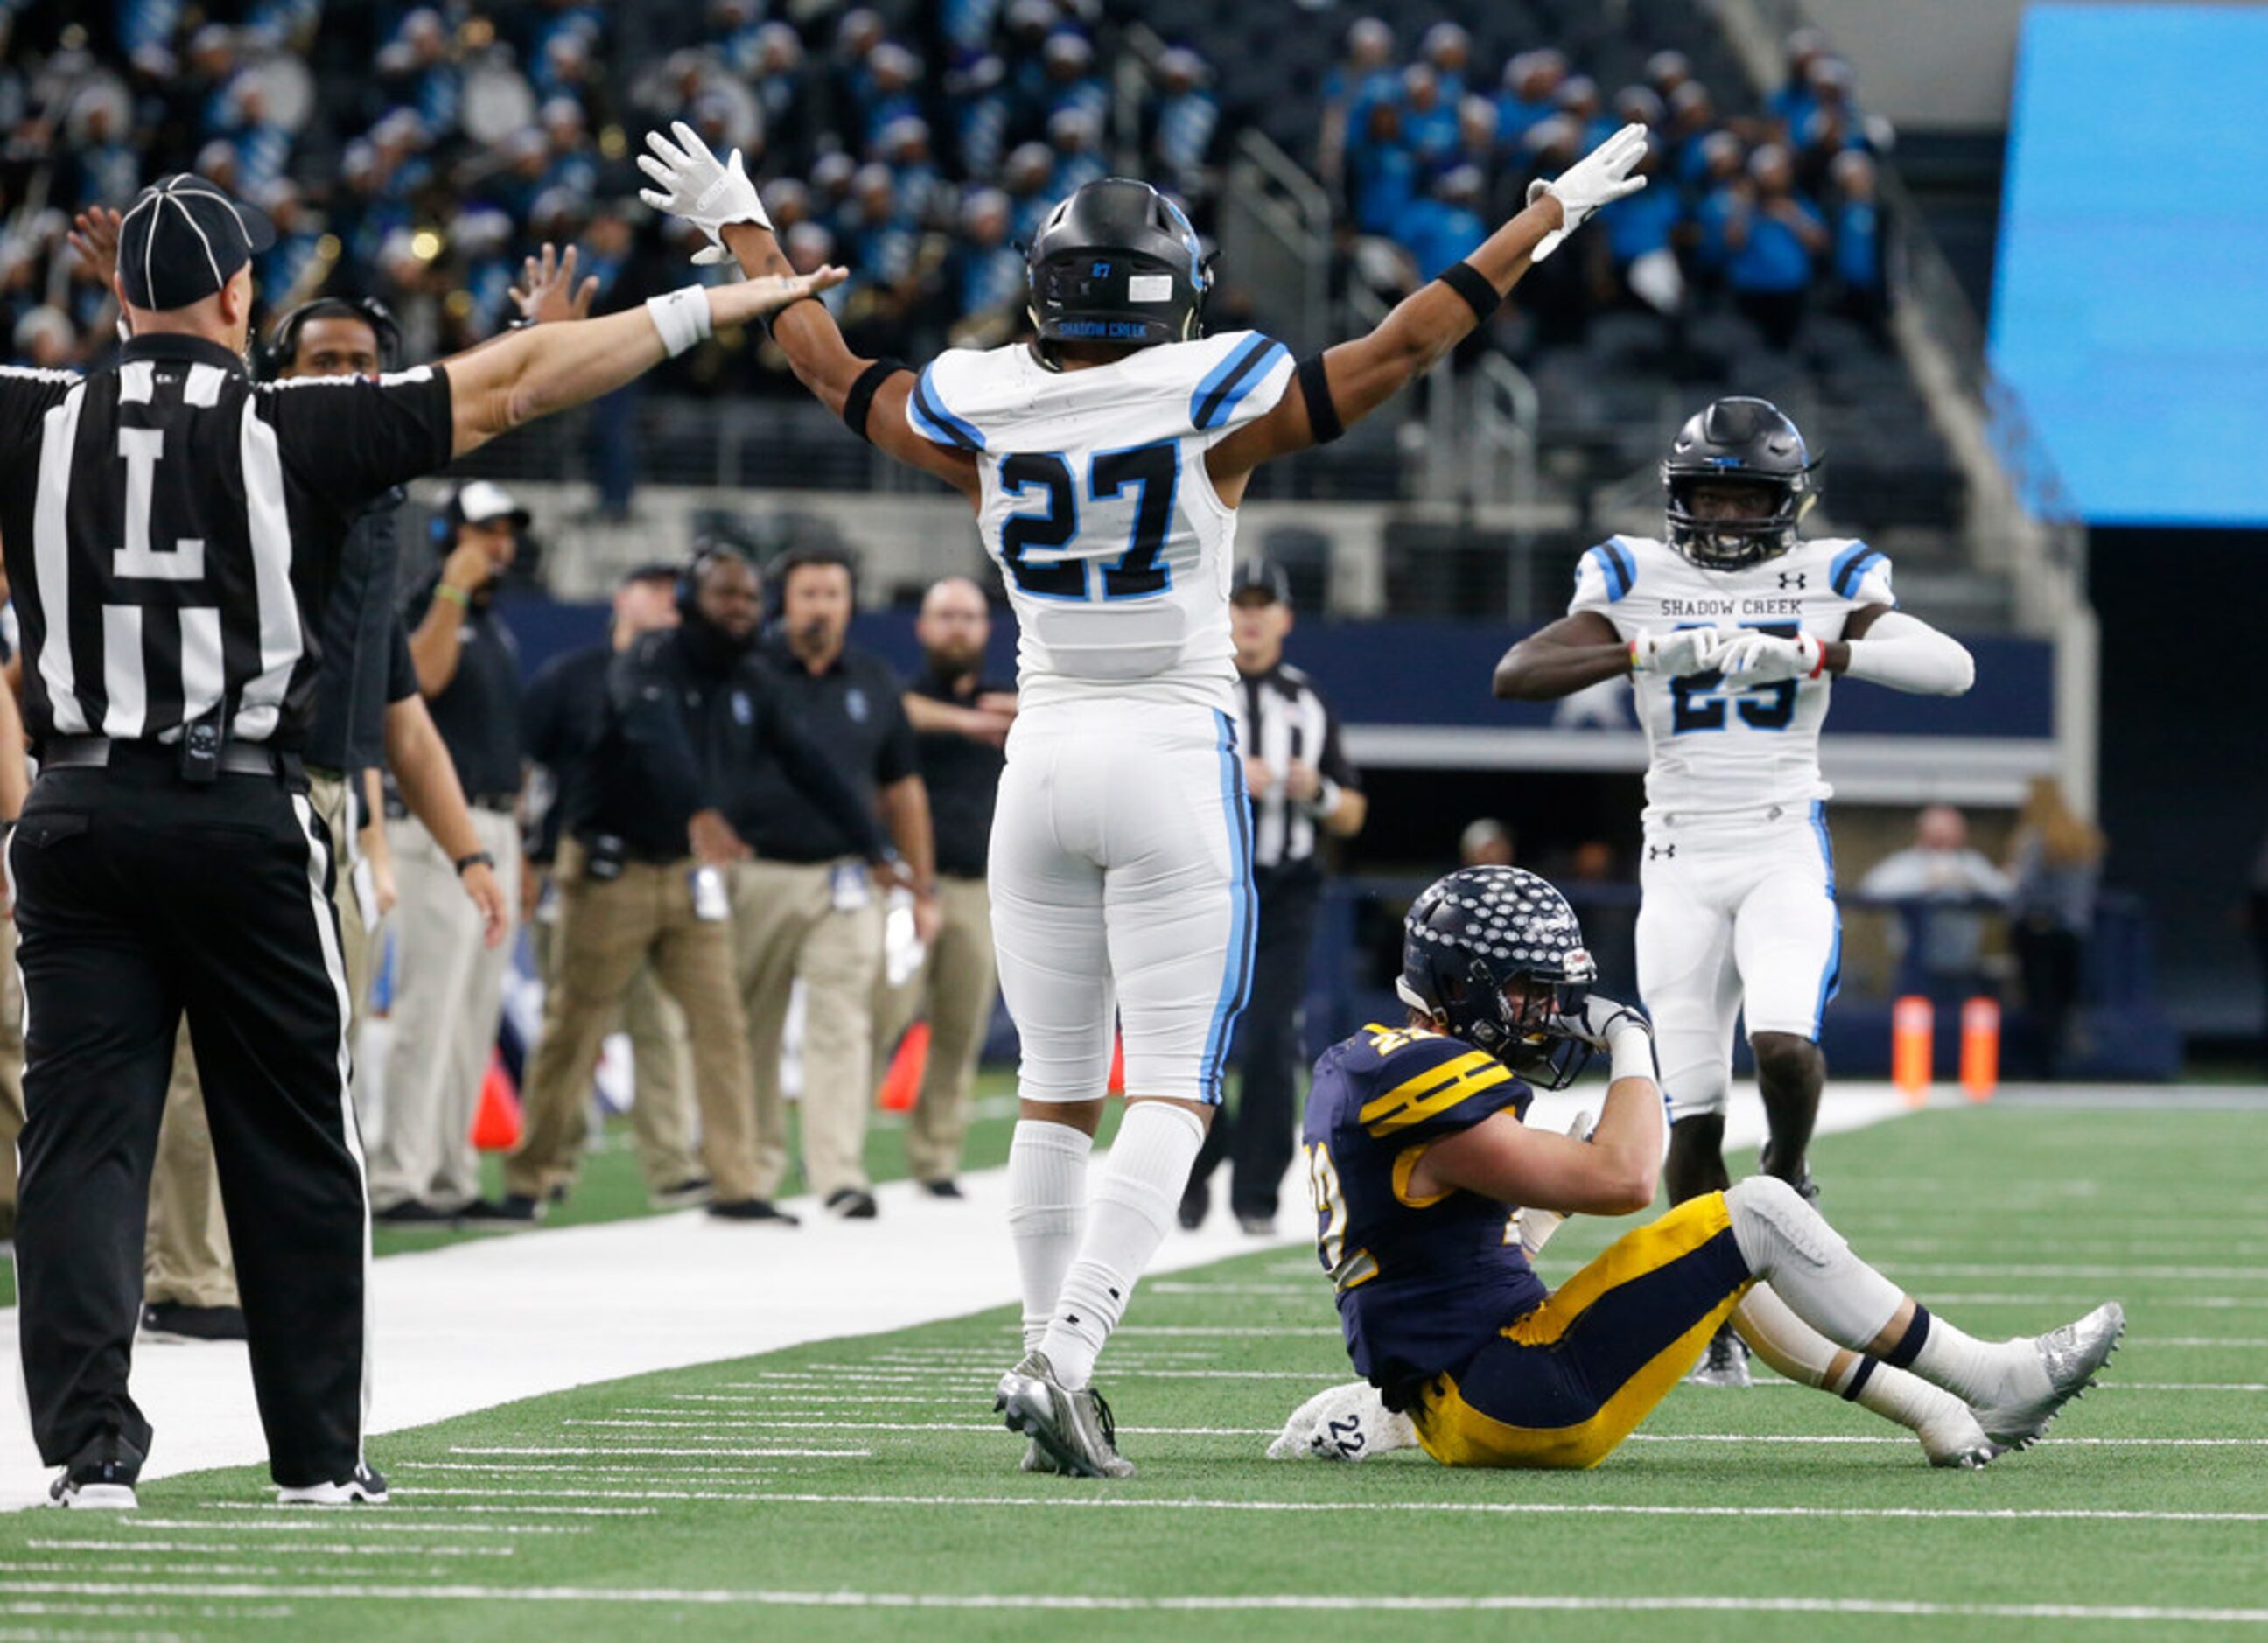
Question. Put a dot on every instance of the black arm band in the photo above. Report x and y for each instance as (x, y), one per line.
(770, 320)
(861, 399)
(1315, 389)
(1470, 283)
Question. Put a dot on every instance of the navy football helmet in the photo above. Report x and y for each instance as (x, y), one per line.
(1116, 262)
(1745, 441)
(1496, 957)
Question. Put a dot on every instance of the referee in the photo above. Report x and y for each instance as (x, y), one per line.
(173, 533)
(1302, 786)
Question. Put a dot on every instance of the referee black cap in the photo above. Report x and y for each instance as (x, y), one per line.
(184, 238)
(1266, 581)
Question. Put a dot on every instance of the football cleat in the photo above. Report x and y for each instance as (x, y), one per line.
(1958, 1441)
(1346, 1422)
(101, 1479)
(364, 1488)
(1038, 1460)
(2069, 1359)
(1074, 1429)
(1806, 1187)
(1725, 1363)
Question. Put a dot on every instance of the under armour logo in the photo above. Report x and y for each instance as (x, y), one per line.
(1655, 852)
(1790, 579)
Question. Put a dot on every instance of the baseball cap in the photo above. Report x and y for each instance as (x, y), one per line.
(1263, 576)
(651, 571)
(184, 238)
(483, 500)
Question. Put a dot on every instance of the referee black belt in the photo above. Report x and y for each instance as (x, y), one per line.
(99, 753)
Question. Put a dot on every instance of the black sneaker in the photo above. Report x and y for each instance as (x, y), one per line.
(364, 1488)
(753, 1210)
(1196, 1204)
(683, 1195)
(515, 1209)
(102, 1477)
(852, 1203)
(172, 1321)
(947, 1189)
(411, 1213)
(1256, 1226)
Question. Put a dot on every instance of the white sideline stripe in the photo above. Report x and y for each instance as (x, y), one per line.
(832, 1455)
(226, 1550)
(1260, 1603)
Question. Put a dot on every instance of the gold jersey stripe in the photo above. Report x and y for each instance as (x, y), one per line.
(1432, 1091)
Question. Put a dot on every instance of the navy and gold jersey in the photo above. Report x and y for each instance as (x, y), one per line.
(1422, 1282)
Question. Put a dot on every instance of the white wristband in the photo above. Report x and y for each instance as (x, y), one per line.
(682, 317)
(1325, 801)
(1630, 1054)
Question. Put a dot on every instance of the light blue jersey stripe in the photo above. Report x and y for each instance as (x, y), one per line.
(1236, 979)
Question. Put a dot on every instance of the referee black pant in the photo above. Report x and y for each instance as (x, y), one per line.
(1258, 1139)
(140, 897)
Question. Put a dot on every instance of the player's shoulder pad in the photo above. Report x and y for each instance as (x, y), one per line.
(1614, 565)
(955, 393)
(1412, 1083)
(1229, 378)
(1852, 564)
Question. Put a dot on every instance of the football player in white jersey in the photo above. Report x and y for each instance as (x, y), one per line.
(1732, 632)
(1105, 460)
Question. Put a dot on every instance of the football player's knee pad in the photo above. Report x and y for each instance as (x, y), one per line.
(1786, 1243)
(1771, 1222)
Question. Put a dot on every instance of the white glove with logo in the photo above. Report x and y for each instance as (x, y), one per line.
(696, 186)
(1767, 659)
(1347, 1423)
(1600, 178)
(1602, 1020)
(1678, 651)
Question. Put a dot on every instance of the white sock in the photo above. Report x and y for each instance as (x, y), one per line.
(1133, 1205)
(1974, 1371)
(1047, 1212)
(1803, 1354)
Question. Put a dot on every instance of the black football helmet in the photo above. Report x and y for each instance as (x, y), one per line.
(1116, 262)
(1753, 442)
(1474, 935)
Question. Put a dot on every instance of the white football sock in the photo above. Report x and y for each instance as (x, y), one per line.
(1975, 1371)
(1803, 1354)
(1047, 1212)
(1142, 1183)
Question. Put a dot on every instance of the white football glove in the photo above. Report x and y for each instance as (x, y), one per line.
(696, 186)
(1602, 1020)
(1347, 1423)
(1767, 659)
(1600, 178)
(1535, 1225)
(1677, 650)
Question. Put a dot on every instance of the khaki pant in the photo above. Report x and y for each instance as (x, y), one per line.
(448, 998)
(662, 1111)
(959, 979)
(11, 1070)
(609, 929)
(786, 928)
(185, 1255)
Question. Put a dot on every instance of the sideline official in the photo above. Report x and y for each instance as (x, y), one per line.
(172, 533)
(1303, 785)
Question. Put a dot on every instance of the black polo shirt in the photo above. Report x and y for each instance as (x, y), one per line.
(367, 666)
(963, 777)
(679, 736)
(477, 713)
(853, 712)
(562, 718)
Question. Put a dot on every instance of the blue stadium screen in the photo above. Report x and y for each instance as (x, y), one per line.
(2131, 312)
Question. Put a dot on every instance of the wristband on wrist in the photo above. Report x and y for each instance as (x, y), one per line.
(1631, 1053)
(1819, 660)
(1326, 799)
(447, 590)
(1633, 656)
(478, 858)
(681, 316)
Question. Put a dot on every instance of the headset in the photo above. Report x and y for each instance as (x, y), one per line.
(707, 548)
(283, 345)
(789, 561)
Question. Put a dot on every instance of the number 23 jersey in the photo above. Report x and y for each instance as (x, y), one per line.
(1116, 551)
(1711, 746)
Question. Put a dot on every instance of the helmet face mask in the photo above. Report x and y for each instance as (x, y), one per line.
(1116, 262)
(1494, 956)
(1745, 443)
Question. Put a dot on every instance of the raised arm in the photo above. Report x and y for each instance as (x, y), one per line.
(716, 196)
(1356, 378)
(531, 373)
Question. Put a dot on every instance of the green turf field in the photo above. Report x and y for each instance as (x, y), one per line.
(864, 1477)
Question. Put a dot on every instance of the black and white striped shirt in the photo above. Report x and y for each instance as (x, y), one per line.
(1282, 719)
(174, 530)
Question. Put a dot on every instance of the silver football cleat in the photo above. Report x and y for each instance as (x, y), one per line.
(1038, 1460)
(2070, 1357)
(1959, 1442)
(1725, 1362)
(1074, 1429)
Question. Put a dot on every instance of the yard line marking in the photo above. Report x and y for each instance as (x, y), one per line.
(288, 1525)
(1286, 1601)
(1977, 1268)
(1746, 1437)
(343, 1548)
(2231, 1341)
(783, 1394)
(571, 1469)
(552, 1511)
(472, 1449)
(2189, 1386)
(1119, 1371)
(1227, 1330)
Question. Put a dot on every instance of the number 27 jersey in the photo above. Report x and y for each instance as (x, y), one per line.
(1712, 745)
(1116, 551)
